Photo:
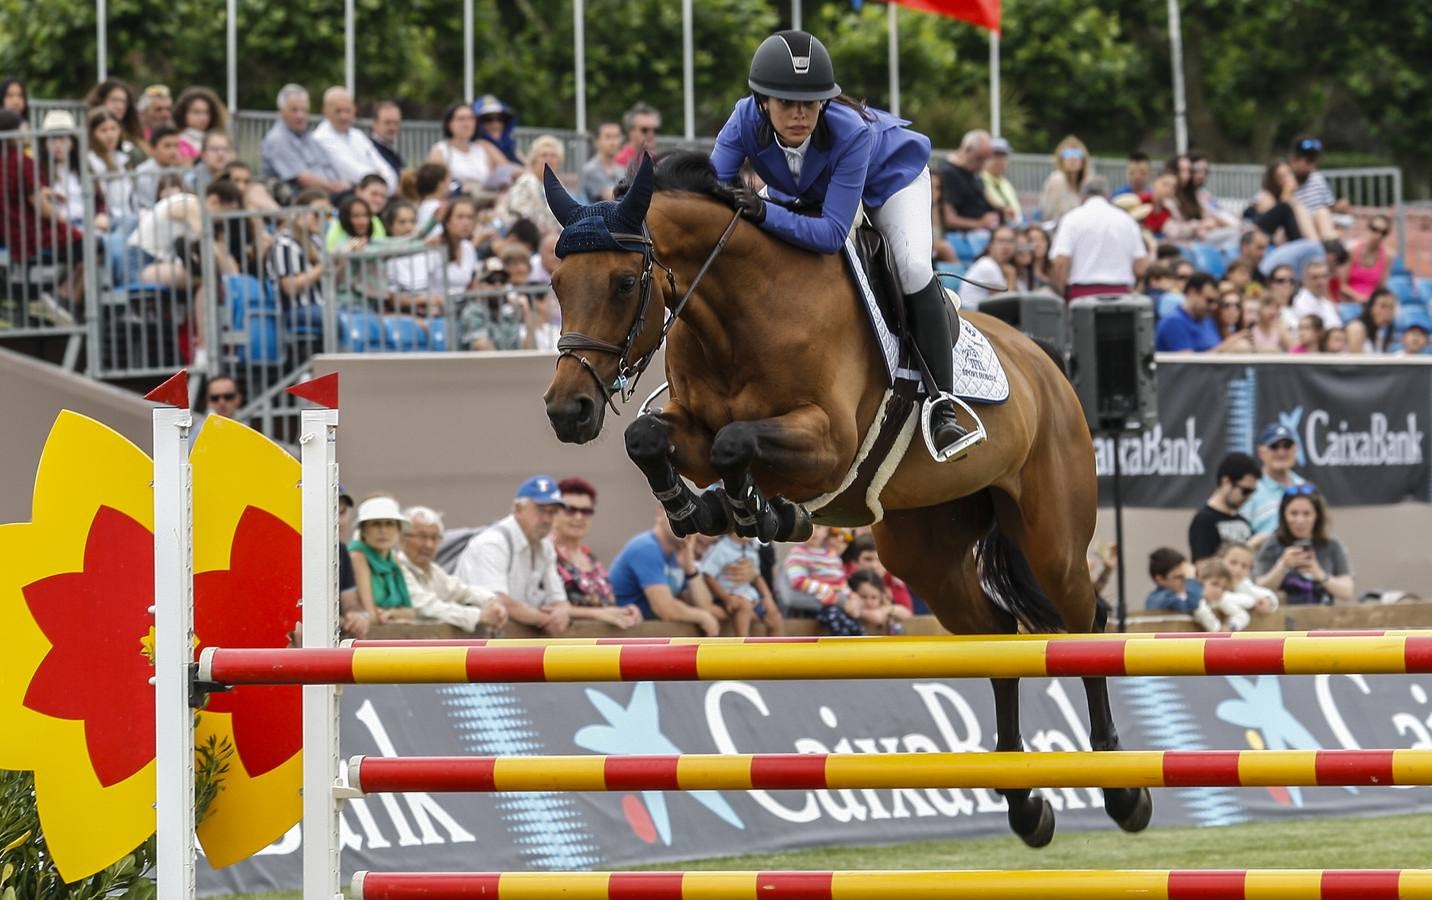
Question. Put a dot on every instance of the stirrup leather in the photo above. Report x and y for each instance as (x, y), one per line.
(975, 436)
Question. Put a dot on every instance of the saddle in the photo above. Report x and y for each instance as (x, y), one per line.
(979, 378)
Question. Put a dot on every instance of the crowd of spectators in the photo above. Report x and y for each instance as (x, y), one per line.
(1264, 537)
(534, 567)
(463, 229)
(1292, 271)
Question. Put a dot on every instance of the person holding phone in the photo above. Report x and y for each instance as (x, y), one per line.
(1301, 559)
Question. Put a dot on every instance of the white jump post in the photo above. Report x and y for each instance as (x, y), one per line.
(173, 650)
(174, 640)
(322, 788)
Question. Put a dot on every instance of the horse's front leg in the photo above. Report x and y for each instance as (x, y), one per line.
(793, 448)
(655, 442)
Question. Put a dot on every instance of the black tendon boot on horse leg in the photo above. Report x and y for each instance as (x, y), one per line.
(732, 453)
(928, 311)
(649, 446)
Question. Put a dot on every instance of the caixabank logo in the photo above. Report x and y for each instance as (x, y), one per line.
(1328, 440)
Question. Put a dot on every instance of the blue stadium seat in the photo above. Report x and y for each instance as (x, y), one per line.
(1402, 286)
(1168, 302)
(303, 320)
(1412, 314)
(437, 334)
(1398, 267)
(403, 334)
(254, 315)
(960, 244)
(1424, 288)
(1349, 311)
(359, 331)
(957, 268)
(1208, 259)
(978, 243)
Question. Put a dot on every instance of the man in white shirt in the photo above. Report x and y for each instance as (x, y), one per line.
(436, 595)
(512, 560)
(1098, 248)
(1315, 298)
(349, 150)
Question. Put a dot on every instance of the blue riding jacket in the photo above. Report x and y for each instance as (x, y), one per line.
(865, 161)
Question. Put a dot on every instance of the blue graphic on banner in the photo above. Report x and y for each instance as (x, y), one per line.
(1260, 706)
(1171, 725)
(548, 826)
(636, 729)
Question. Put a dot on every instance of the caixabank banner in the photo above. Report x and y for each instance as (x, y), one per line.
(1361, 428)
(551, 831)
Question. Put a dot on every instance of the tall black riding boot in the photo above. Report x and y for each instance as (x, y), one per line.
(928, 313)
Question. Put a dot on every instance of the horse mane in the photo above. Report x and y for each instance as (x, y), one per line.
(688, 172)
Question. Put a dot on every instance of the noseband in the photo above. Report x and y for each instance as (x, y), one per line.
(628, 373)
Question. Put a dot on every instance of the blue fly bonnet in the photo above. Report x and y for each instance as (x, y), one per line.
(595, 226)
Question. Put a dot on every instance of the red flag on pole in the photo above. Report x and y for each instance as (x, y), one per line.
(984, 13)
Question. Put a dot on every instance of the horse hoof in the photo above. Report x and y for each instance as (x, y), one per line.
(795, 524)
(1043, 831)
(1130, 809)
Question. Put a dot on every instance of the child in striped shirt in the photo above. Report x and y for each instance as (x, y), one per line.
(815, 567)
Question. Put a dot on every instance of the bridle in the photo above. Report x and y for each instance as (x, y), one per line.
(628, 373)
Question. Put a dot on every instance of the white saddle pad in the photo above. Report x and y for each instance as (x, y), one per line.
(979, 374)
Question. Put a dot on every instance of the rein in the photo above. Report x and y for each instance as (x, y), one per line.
(628, 374)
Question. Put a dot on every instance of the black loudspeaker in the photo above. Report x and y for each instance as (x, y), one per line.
(1041, 316)
(1112, 361)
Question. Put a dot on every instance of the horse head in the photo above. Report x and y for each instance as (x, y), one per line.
(611, 304)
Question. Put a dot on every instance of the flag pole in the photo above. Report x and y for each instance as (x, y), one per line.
(579, 36)
(994, 82)
(687, 78)
(468, 63)
(891, 9)
(795, 15)
(1180, 106)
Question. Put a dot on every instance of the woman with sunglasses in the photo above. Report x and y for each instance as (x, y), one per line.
(1301, 560)
(1061, 189)
(495, 123)
(818, 149)
(1367, 267)
(589, 590)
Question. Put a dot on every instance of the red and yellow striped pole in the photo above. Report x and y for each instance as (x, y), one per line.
(1267, 653)
(810, 771)
(1283, 884)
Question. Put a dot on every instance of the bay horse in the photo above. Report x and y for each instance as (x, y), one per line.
(775, 377)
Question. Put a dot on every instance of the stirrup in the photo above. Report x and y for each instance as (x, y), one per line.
(975, 436)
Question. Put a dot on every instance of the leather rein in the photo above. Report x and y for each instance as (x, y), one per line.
(629, 373)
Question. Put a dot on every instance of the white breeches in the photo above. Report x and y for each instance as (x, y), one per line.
(904, 222)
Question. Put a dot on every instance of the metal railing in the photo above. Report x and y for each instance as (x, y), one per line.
(49, 232)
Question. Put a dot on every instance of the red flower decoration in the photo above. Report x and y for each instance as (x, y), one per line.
(254, 603)
(96, 671)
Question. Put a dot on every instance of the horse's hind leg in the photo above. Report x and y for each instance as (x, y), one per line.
(932, 550)
(1052, 527)
(1130, 808)
(1030, 815)
(649, 443)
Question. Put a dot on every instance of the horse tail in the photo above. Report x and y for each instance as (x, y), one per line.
(1009, 583)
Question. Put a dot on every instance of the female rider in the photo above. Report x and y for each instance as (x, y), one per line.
(811, 144)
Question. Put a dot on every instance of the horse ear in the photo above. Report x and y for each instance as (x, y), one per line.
(638, 196)
(563, 205)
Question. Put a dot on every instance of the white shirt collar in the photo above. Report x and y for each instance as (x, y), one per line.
(795, 156)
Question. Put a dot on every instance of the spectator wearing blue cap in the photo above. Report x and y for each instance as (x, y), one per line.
(657, 573)
(513, 560)
(1278, 452)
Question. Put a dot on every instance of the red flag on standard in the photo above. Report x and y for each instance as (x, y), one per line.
(984, 13)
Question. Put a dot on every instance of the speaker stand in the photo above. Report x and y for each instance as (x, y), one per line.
(1122, 611)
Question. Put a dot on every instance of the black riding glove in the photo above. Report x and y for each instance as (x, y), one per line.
(750, 204)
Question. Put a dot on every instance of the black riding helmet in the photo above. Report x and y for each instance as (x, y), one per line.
(793, 65)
